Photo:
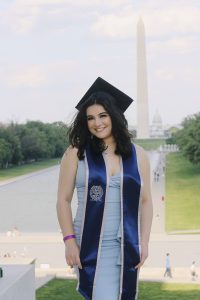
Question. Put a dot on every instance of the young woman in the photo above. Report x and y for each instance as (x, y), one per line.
(108, 240)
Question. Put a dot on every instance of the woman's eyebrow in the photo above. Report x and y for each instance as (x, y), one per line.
(103, 112)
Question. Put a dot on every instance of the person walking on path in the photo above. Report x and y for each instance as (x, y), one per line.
(107, 242)
(193, 271)
(168, 272)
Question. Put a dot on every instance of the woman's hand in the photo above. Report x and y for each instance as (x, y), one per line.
(72, 253)
(144, 255)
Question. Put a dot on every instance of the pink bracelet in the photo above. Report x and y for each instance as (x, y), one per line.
(68, 237)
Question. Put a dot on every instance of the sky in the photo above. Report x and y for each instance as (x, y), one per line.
(52, 51)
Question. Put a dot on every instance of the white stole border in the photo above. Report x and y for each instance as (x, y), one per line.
(122, 229)
(139, 213)
(85, 203)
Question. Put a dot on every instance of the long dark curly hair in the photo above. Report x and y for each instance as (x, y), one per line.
(80, 136)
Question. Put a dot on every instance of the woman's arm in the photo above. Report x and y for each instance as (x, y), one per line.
(146, 204)
(68, 169)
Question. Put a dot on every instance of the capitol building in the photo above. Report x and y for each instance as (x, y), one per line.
(156, 128)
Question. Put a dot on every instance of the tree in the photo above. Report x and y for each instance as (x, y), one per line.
(9, 134)
(57, 137)
(31, 141)
(188, 138)
(5, 153)
(34, 144)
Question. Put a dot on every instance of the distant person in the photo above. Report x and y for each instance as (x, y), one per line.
(154, 176)
(9, 233)
(108, 240)
(168, 272)
(163, 167)
(157, 176)
(193, 271)
(7, 254)
(15, 231)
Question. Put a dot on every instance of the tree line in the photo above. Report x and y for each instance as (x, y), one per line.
(188, 138)
(35, 140)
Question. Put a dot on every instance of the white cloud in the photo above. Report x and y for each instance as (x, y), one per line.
(167, 74)
(23, 24)
(172, 20)
(23, 15)
(31, 76)
(159, 22)
(63, 65)
(39, 2)
(19, 18)
(185, 75)
(74, 2)
(37, 75)
(160, 19)
(121, 25)
(176, 45)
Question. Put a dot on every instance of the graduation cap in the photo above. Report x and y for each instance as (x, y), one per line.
(100, 85)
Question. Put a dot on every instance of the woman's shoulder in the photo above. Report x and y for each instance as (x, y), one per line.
(70, 154)
(68, 167)
(71, 150)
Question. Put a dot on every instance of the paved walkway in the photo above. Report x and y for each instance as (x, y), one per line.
(22, 177)
(158, 192)
(183, 248)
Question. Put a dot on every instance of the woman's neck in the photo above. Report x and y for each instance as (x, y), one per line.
(110, 145)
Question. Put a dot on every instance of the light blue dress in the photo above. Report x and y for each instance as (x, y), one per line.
(109, 267)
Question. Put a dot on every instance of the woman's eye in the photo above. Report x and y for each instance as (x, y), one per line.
(103, 116)
(89, 118)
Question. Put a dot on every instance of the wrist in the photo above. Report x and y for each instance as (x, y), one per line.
(70, 242)
(68, 237)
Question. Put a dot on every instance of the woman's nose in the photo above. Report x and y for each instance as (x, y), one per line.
(97, 121)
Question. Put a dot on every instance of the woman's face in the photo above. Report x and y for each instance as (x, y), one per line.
(99, 121)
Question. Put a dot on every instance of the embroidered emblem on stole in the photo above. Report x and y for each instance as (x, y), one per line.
(96, 193)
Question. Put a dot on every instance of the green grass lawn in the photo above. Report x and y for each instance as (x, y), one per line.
(27, 168)
(150, 144)
(182, 194)
(60, 289)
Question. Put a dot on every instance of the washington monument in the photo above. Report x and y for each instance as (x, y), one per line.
(142, 92)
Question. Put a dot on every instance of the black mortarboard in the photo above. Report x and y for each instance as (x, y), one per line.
(100, 85)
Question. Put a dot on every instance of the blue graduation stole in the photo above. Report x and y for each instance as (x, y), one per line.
(96, 190)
